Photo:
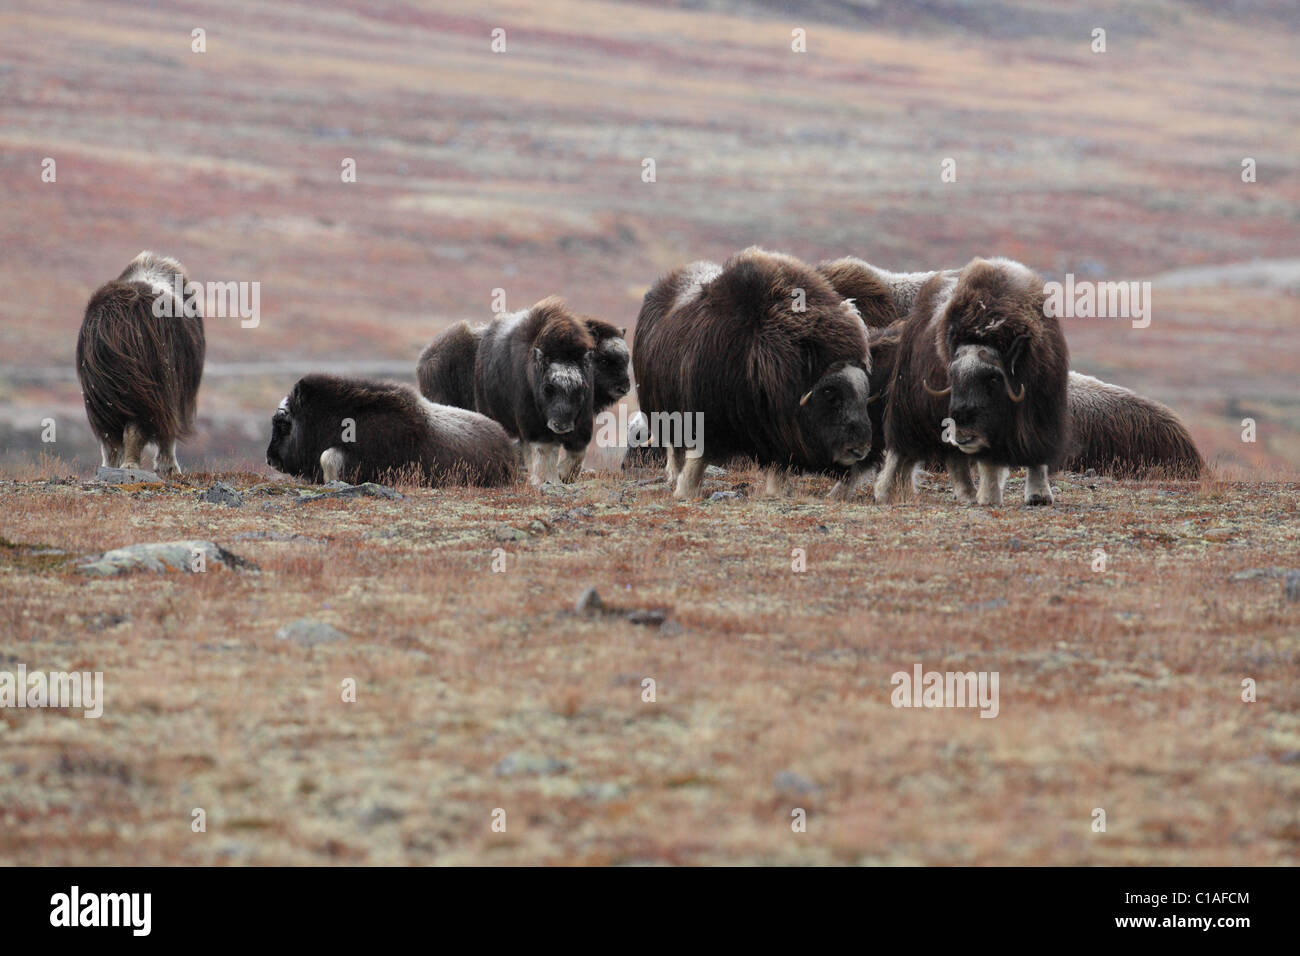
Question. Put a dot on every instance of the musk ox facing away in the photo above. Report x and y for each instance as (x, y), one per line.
(785, 385)
(330, 428)
(445, 371)
(881, 297)
(533, 374)
(139, 370)
(981, 374)
(1120, 433)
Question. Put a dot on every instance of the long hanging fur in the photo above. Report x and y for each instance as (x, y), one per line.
(1123, 434)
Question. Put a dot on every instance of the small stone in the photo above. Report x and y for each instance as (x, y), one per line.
(188, 556)
(789, 783)
(518, 764)
(726, 496)
(1090, 473)
(589, 602)
(713, 471)
(1292, 586)
(652, 617)
(341, 489)
(127, 476)
(309, 633)
(1014, 544)
(222, 494)
(503, 532)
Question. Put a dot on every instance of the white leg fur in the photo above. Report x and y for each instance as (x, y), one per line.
(676, 457)
(1038, 490)
(112, 454)
(893, 474)
(777, 479)
(546, 458)
(132, 446)
(690, 479)
(959, 475)
(993, 479)
(571, 464)
(165, 463)
(331, 464)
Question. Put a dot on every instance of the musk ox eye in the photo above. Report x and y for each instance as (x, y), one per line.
(548, 391)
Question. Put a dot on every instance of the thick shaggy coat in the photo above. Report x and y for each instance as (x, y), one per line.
(981, 374)
(534, 375)
(140, 371)
(785, 385)
(1120, 433)
(330, 428)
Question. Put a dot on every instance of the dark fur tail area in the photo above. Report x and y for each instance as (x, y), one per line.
(137, 367)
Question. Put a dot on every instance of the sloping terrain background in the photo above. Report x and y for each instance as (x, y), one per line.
(522, 171)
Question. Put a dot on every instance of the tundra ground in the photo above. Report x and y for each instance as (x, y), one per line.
(480, 690)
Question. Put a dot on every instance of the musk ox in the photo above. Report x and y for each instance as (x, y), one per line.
(1120, 433)
(139, 369)
(766, 356)
(881, 297)
(981, 374)
(533, 374)
(330, 428)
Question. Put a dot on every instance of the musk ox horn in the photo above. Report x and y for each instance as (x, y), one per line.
(1014, 397)
(874, 397)
(936, 392)
(807, 395)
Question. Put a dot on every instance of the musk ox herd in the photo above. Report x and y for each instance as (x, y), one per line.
(842, 369)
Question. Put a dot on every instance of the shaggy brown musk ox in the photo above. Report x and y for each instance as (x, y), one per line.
(139, 369)
(1120, 433)
(534, 374)
(981, 374)
(329, 428)
(766, 356)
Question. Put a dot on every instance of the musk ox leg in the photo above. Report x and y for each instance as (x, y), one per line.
(894, 474)
(959, 475)
(112, 453)
(993, 479)
(545, 464)
(133, 442)
(777, 480)
(690, 479)
(1038, 489)
(165, 463)
(848, 486)
(331, 464)
(676, 457)
(571, 464)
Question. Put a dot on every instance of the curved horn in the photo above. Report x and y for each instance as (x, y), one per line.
(807, 395)
(1014, 398)
(937, 393)
(874, 397)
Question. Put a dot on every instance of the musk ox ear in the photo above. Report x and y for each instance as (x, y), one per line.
(1016, 353)
(622, 333)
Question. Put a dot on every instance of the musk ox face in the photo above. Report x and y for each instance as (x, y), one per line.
(611, 369)
(279, 453)
(834, 414)
(562, 390)
(983, 395)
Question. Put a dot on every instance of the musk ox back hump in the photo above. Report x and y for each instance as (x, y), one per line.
(734, 345)
(446, 367)
(135, 366)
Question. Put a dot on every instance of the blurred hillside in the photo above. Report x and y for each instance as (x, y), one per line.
(522, 170)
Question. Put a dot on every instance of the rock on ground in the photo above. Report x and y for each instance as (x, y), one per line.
(190, 556)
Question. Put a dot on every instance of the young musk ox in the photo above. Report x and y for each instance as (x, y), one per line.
(1118, 432)
(534, 375)
(999, 368)
(786, 386)
(330, 428)
(140, 371)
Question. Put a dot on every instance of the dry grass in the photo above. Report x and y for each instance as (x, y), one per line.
(1119, 689)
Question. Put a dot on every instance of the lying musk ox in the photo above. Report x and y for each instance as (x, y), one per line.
(534, 375)
(981, 374)
(329, 428)
(785, 385)
(1120, 433)
(140, 371)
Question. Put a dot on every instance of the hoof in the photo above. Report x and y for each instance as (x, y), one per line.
(1038, 500)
